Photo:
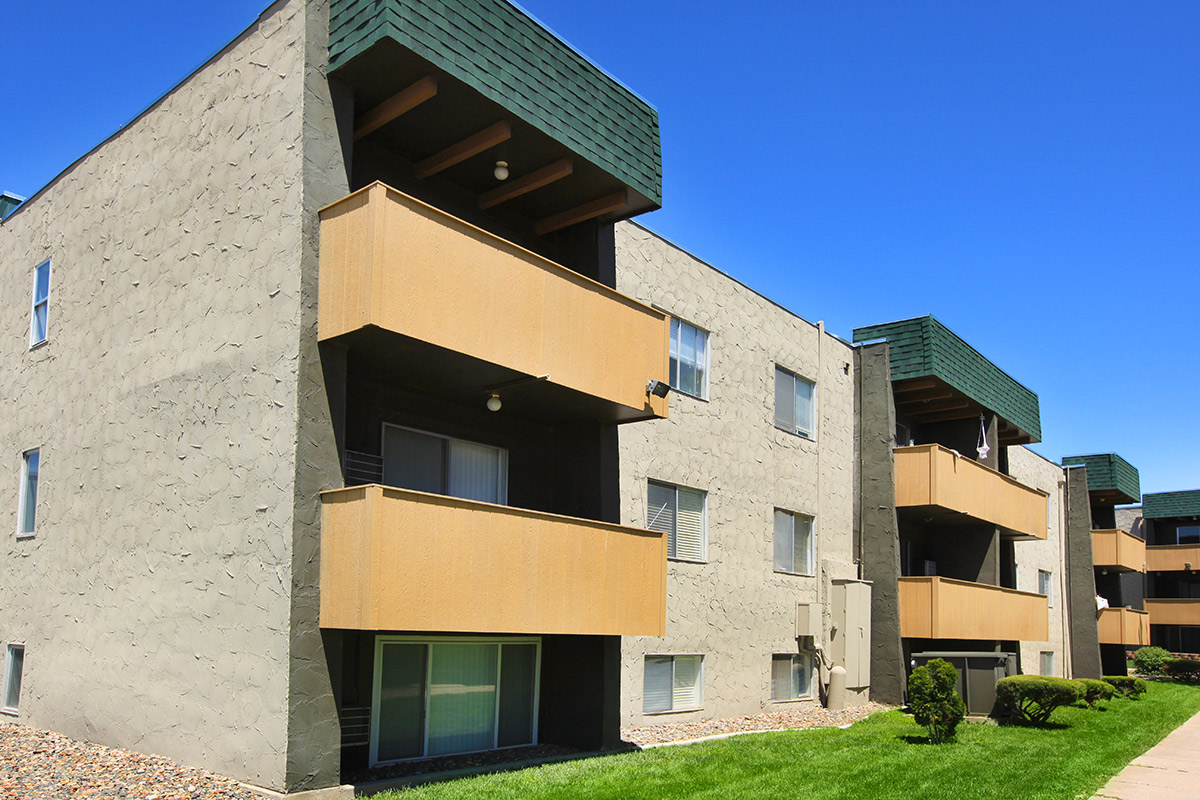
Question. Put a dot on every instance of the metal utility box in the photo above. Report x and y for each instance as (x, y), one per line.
(808, 620)
(850, 639)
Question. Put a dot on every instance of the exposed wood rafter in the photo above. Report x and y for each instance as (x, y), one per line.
(916, 385)
(940, 416)
(925, 398)
(591, 210)
(486, 139)
(395, 106)
(527, 183)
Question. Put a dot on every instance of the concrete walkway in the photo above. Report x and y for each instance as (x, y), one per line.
(1168, 771)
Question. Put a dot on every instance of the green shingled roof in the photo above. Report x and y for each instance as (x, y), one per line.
(1171, 504)
(924, 347)
(511, 59)
(1108, 472)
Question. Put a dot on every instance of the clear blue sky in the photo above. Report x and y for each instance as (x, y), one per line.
(1029, 172)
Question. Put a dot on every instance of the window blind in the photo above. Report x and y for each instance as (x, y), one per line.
(685, 692)
(656, 684)
(689, 534)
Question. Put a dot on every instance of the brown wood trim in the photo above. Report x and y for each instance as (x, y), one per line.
(527, 183)
(590, 210)
(474, 144)
(395, 106)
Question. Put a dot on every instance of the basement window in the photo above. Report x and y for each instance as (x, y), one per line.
(791, 677)
(14, 664)
(673, 683)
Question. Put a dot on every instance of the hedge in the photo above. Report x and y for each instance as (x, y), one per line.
(1150, 660)
(1033, 698)
(1094, 691)
(1127, 685)
(1183, 669)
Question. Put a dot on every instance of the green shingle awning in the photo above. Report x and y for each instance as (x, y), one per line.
(1111, 479)
(925, 348)
(1161, 505)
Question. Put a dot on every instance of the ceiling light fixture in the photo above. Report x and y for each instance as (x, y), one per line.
(501, 171)
(493, 403)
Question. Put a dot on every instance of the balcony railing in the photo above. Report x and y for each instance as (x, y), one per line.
(1172, 557)
(1126, 626)
(945, 608)
(930, 475)
(399, 560)
(390, 262)
(1119, 551)
(1174, 610)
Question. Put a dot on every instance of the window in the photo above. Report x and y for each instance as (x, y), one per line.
(1187, 534)
(1047, 665)
(427, 462)
(793, 543)
(41, 303)
(681, 514)
(689, 359)
(673, 683)
(794, 411)
(791, 677)
(14, 663)
(453, 695)
(1046, 585)
(27, 505)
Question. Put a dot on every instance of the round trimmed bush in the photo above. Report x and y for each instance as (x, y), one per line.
(1127, 685)
(934, 702)
(1183, 669)
(1151, 660)
(1094, 691)
(1033, 698)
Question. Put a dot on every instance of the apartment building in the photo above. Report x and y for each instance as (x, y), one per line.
(954, 499)
(753, 479)
(317, 444)
(1169, 523)
(1118, 558)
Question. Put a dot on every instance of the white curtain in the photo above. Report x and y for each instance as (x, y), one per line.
(476, 472)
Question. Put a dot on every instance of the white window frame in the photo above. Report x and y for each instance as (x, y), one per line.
(35, 302)
(1047, 583)
(812, 543)
(677, 331)
(814, 413)
(700, 675)
(673, 534)
(24, 491)
(501, 490)
(8, 677)
(811, 676)
(377, 680)
(1042, 659)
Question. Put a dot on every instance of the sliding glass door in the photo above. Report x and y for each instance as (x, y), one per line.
(452, 695)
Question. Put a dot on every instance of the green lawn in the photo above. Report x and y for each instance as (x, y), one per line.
(881, 757)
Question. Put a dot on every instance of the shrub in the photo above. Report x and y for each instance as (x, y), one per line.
(1150, 660)
(1183, 669)
(1033, 698)
(1094, 691)
(1127, 685)
(934, 702)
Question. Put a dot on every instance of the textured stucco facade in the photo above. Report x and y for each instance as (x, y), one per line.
(734, 609)
(1031, 556)
(170, 571)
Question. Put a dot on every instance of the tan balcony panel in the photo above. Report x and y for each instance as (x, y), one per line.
(466, 310)
(1172, 557)
(947, 486)
(1118, 551)
(398, 560)
(945, 608)
(1174, 611)
(1126, 626)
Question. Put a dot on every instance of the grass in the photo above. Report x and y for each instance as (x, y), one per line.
(884, 756)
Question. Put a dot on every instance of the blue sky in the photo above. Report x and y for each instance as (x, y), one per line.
(1027, 172)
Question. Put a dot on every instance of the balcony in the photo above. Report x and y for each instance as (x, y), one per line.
(945, 608)
(1172, 557)
(1118, 551)
(1174, 611)
(398, 560)
(1126, 626)
(936, 482)
(460, 312)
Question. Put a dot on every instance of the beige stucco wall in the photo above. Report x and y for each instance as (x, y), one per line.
(1031, 556)
(734, 609)
(154, 599)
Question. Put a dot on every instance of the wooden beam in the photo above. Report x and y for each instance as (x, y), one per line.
(395, 106)
(915, 385)
(474, 144)
(937, 408)
(945, 416)
(527, 183)
(925, 398)
(601, 205)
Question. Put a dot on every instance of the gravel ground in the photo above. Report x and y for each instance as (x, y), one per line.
(809, 715)
(39, 765)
